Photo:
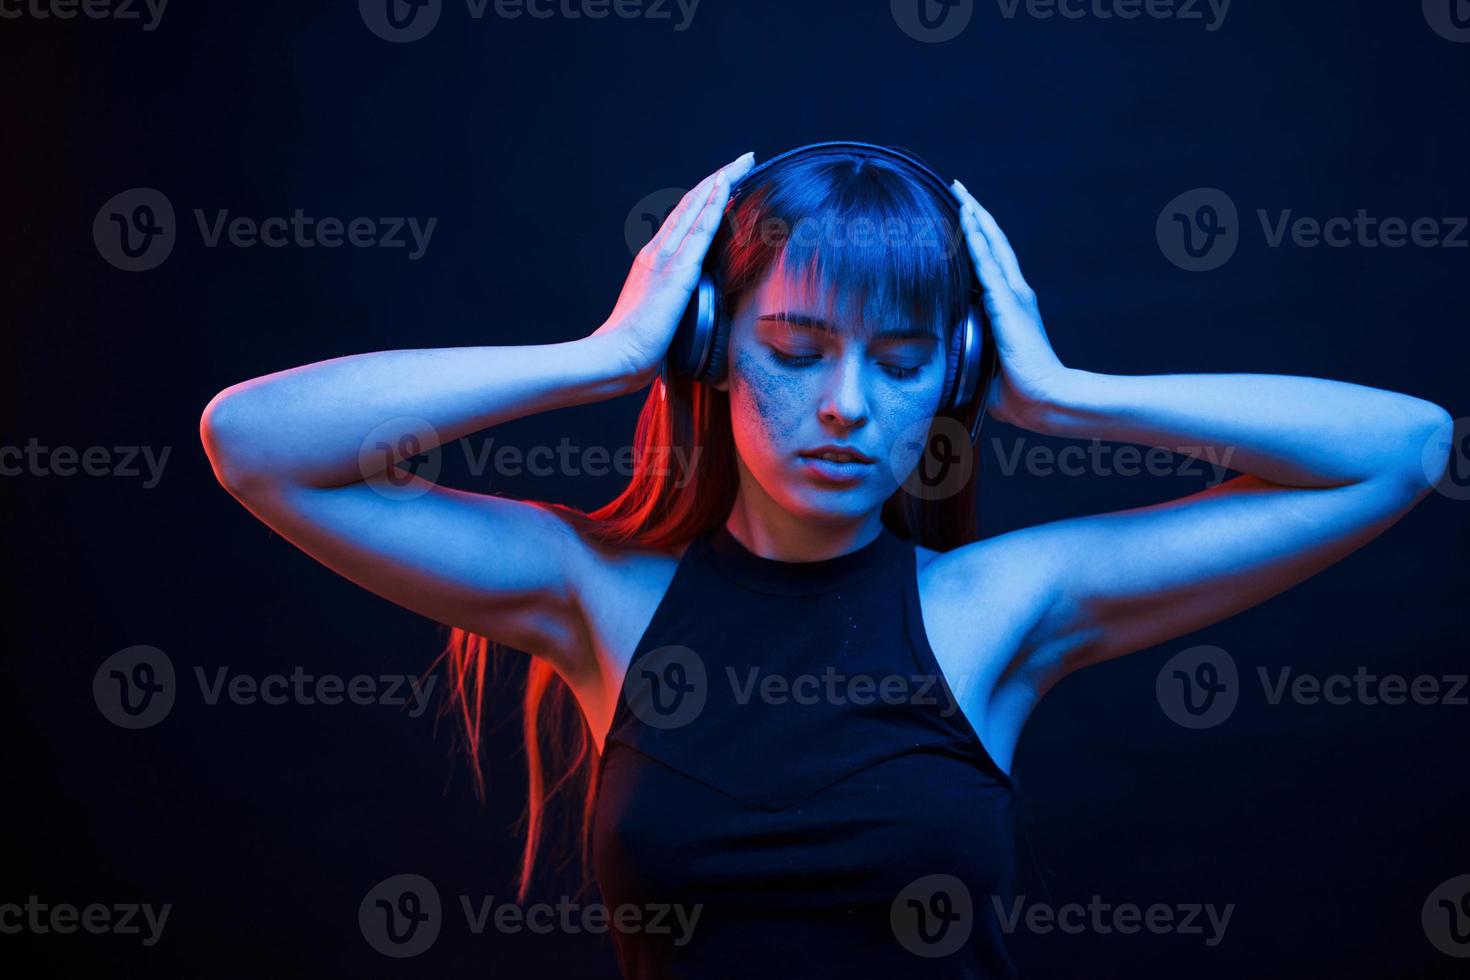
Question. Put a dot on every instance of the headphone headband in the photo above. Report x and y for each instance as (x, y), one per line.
(912, 161)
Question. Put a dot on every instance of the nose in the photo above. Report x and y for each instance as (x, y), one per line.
(844, 402)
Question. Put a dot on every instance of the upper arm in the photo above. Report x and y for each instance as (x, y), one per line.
(1118, 582)
(503, 568)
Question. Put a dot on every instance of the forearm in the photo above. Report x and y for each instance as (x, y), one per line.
(306, 425)
(1295, 431)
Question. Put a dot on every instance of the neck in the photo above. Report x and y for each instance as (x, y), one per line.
(769, 530)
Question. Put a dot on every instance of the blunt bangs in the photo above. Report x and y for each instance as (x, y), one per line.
(873, 241)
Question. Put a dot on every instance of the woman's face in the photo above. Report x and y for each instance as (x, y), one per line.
(799, 378)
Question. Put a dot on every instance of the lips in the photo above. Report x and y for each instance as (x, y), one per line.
(837, 454)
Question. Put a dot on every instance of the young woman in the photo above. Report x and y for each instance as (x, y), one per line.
(801, 680)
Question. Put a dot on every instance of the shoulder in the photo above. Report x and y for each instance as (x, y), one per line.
(616, 588)
(603, 568)
(625, 565)
(984, 607)
(1015, 570)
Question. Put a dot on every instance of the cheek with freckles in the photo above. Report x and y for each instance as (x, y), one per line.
(768, 402)
(899, 410)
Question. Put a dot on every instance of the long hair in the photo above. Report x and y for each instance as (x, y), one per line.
(850, 223)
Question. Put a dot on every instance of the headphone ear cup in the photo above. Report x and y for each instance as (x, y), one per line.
(719, 343)
(686, 350)
(954, 358)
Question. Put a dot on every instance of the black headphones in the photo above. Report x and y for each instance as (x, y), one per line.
(699, 346)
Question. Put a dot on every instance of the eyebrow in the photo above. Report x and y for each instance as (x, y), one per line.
(809, 322)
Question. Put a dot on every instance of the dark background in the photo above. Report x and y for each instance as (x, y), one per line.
(531, 141)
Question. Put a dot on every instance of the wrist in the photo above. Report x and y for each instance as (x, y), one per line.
(1056, 402)
(596, 368)
(606, 365)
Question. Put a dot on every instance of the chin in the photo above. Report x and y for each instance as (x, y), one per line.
(833, 505)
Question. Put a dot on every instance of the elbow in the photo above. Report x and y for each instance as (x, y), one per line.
(220, 434)
(1429, 452)
(1440, 445)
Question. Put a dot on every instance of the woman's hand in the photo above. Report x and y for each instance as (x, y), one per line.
(1028, 368)
(664, 275)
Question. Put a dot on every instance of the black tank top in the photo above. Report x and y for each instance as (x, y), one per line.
(788, 789)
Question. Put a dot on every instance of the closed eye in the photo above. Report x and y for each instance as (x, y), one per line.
(898, 372)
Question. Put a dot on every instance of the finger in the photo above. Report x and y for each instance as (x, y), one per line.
(696, 243)
(992, 276)
(692, 205)
(718, 193)
(658, 244)
(999, 244)
(678, 221)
